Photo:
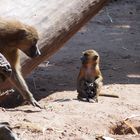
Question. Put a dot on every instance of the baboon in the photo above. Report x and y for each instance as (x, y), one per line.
(5, 68)
(90, 80)
(15, 36)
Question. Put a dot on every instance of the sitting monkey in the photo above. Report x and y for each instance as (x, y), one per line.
(90, 80)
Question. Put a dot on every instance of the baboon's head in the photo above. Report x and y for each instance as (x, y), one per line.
(28, 42)
(90, 58)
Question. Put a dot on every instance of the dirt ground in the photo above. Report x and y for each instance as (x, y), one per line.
(115, 34)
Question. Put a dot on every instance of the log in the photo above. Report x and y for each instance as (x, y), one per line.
(56, 21)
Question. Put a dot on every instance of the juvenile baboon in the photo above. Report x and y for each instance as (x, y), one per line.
(15, 36)
(5, 68)
(90, 80)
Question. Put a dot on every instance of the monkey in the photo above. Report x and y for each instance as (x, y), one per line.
(15, 36)
(5, 68)
(90, 89)
(90, 79)
(5, 71)
(6, 132)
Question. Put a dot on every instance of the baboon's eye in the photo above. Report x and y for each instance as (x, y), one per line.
(95, 57)
(85, 54)
(34, 42)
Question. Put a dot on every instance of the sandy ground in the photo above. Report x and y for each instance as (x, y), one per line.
(53, 83)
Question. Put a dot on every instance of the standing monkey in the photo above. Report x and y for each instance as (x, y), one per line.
(90, 80)
(15, 36)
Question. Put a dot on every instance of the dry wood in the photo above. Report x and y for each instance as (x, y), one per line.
(56, 20)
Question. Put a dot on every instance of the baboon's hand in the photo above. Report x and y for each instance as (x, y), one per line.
(35, 103)
(96, 82)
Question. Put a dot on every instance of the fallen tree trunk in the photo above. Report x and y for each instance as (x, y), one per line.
(56, 20)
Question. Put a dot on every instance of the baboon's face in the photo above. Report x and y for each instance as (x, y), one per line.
(32, 50)
(5, 67)
(5, 72)
(29, 44)
(89, 58)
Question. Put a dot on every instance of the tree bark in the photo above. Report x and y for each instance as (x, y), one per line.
(56, 20)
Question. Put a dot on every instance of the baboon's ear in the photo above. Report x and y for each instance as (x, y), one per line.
(95, 57)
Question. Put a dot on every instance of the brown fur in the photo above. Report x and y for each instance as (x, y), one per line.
(15, 35)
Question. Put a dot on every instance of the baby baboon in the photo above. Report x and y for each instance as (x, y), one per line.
(90, 80)
(15, 36)
(5, 68)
